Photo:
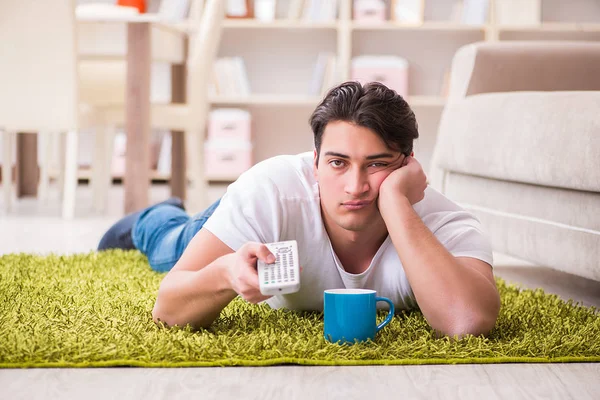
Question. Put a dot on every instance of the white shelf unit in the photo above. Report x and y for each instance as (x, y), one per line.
(280, 58)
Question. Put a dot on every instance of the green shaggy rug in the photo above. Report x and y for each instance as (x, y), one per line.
(94, 310)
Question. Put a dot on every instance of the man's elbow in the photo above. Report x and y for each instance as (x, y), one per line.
(474, 323)
(166, 316)
(477, 320)
(162, 314)
(160, 317)
(461, 329)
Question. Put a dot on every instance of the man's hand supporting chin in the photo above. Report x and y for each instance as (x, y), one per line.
(457, 295)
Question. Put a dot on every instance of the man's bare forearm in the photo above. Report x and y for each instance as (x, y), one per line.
(194, 297)
(454, 299)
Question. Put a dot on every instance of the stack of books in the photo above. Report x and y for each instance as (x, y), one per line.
(518, 12)
(229, 78)
(324, 74)
(472, 12)
(392, 71)
(312, 10)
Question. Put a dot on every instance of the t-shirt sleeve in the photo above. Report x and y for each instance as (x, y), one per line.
(458, 230)
(463, 236)
(249, 211)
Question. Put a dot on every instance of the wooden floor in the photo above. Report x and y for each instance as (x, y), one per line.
(35, 227)
(461, 382)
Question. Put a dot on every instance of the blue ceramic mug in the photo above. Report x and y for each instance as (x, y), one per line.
(350, 315)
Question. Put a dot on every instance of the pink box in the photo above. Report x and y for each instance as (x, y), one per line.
(390, 70)
(226, 159)
(229, 123)
(369, 11)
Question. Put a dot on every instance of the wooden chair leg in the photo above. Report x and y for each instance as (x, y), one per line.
(98, 170)
(61, 144)
(101, 167)
(70, 175)
(111, 134)
(197, 194)
(8, 145)
(45, 143)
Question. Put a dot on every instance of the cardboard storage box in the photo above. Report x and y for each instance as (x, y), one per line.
(392, 71)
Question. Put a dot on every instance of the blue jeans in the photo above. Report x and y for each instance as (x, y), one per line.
(162, 233)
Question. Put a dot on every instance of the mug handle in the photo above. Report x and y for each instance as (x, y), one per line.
(390, 313)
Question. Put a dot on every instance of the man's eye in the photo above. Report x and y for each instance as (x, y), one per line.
(378, 165)
(336, 163)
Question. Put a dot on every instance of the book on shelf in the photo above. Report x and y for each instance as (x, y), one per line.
(313, 10)
(239, 9)
(174, 10)
(518, 12)
(265, 10)
(392, 71)
(408, 11)
(475, 12)
(229, 77)
(324, 74)
(294, 11)
(456, 12)
(369, 11)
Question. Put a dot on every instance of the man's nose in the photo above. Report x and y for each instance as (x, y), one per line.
(357, 182)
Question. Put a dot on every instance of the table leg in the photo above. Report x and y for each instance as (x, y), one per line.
(178, 170)
(26, 165)
(137, 125)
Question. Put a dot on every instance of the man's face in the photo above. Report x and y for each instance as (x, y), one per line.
(353, 163)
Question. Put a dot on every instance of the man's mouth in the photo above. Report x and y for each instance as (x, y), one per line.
(356, 205)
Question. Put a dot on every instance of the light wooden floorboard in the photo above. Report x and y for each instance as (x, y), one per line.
(495, 381)
(35, 227)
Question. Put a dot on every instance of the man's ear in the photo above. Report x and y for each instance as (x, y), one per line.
(412, 154)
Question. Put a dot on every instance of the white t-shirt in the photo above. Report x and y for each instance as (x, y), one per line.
(278, 199)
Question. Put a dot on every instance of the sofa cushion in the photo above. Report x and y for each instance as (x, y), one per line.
(570, 209)
(487, 67)
(543, 138)
(574, 252)
(558, 228)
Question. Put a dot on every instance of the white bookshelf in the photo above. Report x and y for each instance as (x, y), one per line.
(280, 57)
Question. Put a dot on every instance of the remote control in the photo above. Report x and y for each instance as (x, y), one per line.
(283, 276)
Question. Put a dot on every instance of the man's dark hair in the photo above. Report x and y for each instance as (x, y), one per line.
(372, 106)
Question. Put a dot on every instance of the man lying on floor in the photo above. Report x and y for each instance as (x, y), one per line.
(360, 210)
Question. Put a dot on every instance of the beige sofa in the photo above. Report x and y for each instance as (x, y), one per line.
(519, 145)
